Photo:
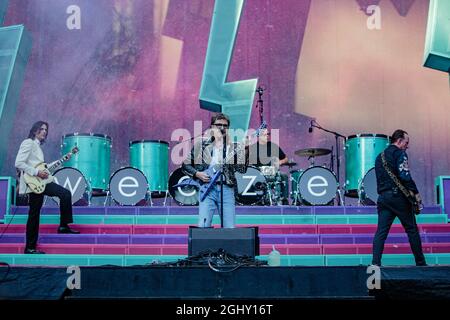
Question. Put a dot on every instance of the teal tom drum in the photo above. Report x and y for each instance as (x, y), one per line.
(361, 151)
(93, 160)
(152, 158)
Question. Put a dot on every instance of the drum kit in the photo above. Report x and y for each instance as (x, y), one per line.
(316, 185)
(87, 174)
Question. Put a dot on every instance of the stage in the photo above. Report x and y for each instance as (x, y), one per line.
(310, 92)
(164, 282)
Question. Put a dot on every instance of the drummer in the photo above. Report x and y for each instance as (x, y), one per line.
(267, 153)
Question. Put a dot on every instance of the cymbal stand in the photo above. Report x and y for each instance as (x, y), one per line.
(337, 136)
(260, 104)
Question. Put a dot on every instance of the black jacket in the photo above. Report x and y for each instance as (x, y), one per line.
(397, 161)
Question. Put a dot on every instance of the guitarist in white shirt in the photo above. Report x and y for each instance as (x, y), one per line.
(207, 154)
(28, 157)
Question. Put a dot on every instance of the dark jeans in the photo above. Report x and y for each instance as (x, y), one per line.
(391, 205)
(36, 200)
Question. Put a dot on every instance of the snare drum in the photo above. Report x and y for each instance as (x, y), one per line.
(317, 186)
(73, 180)
(128, 186)
(185, 196)
(251, 186)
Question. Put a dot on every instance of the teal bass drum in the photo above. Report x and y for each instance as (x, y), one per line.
(361, 150)
(93, 158)
(152, 158)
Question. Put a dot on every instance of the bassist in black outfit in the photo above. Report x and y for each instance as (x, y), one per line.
(392, 202)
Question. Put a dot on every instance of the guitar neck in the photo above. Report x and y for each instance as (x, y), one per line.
(231, 155)
(58, 162)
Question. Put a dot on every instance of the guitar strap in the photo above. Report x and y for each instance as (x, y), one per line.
(394, 177)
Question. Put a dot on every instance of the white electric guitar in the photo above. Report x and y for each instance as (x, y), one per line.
(36, 184)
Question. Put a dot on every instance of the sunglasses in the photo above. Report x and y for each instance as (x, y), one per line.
(220, 125)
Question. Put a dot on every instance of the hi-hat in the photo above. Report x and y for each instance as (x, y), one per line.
(312, 152)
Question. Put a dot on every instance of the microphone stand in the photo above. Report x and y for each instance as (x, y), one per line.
(260, 104)
(338, 160)
(190, 139)
(222, 176)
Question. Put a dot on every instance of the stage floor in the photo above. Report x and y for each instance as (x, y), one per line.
(161, 282)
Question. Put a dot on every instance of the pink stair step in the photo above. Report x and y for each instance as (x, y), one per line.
(175, 250)
(430, 228)
(160, 229)
(333, 229)
(339, 249)
(287, 229)
(11, 248)
(440, 247)
(145, 249)
(388, 248)
(263, 229)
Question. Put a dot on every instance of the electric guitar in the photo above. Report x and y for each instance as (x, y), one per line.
(416, 206)
(213, 172)
(37, 184)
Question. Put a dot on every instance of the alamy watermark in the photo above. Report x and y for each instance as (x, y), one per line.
(74, 280)
(374, 280)
(73, 21)
(374, 20)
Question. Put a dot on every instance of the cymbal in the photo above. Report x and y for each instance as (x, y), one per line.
(312, 152)
(289, 164)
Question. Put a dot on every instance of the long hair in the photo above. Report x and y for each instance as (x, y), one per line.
(35, 128)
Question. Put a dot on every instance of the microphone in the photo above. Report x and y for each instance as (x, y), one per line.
(310, 126)
(260, 90)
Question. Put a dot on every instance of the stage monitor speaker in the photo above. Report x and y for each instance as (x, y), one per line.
(236, 241)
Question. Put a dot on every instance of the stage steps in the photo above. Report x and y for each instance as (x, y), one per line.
(87, 238)
(182, 249)
(136, 235)
(292, 260)
(240, 210)
(240, 219)
(263, 229)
